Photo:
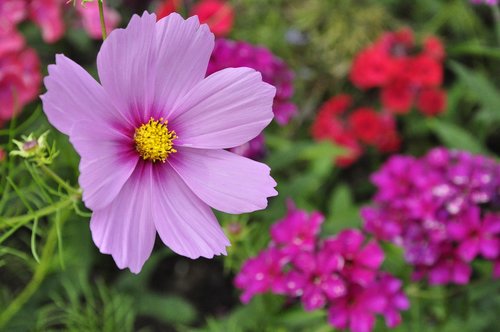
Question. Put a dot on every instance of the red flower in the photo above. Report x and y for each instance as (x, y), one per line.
(397, 43)
(431, 102)
(219, 16)
(397, 97)
(167, 8)
(434, 48)
(353, 150)
(20, 80)
(424, 71)
(336, 105)
(326, 127)
(366, 124)
(371, 68)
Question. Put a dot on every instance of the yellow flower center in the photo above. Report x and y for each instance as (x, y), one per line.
(154, 141)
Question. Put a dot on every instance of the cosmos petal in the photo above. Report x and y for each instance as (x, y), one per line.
(183, 49)
(78, 106)
(224, 180)
(73, 96)
(227, 109)
(127, 65)
(107, 161)
(125, 228)
(148, 66)
(185, 224)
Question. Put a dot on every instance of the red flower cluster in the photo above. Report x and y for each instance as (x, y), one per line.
(405, 76)
(218, 14)
(355, 129)
(20, 76)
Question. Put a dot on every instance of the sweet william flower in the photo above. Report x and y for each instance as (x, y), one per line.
(152, 135)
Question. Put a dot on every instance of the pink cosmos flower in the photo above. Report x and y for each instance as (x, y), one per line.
(152, 135)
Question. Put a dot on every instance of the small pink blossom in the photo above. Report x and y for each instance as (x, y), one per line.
(298, 231)
(89, 13)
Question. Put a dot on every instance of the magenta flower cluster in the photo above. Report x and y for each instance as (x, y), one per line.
(340, 273)
(228, 53)
(441, 210)
(486, 2)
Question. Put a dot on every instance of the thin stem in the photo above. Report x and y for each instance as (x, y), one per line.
(41, 271)
(22, 219)
(60, 181)
(101, 16)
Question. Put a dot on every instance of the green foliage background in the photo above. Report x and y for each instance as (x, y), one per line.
(52, 277)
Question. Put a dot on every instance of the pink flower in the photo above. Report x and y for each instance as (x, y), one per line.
(48, 15)
(356, 311)
(152, 136)
(20, 80)
(395, 298)
(361, 263)
(297, 231)
(219, 15)
(261, 274)
(320, 281)
(476, 236)
(11, 12)
(10, 41)
(91, 20)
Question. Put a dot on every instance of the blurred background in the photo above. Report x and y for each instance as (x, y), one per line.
(359, 85)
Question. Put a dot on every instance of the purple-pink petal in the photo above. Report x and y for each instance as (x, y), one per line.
(125, 228)
(127, 67)
(185, 224)
(226, 109)
(183, 49)
(224, 180)
(96, 129)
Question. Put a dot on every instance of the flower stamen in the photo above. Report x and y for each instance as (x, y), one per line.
(154, 141)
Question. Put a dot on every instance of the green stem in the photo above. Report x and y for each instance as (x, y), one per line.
(101, 16)
(40, 273)
(57, 179)
(22, 219)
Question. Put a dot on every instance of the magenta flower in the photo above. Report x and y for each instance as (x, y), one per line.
(357, 309)
(298, 231)
(439, 209)
(261, 274)
(47, 14)
(476, 236)
(317, 273)
(152, 136)
(360, 263)
(395, 298)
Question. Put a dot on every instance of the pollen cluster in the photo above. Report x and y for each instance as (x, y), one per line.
(154, 141)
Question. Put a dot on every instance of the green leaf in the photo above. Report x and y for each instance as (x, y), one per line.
(170, 309)
(342, 212)
(485, 92)
(456, 137)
